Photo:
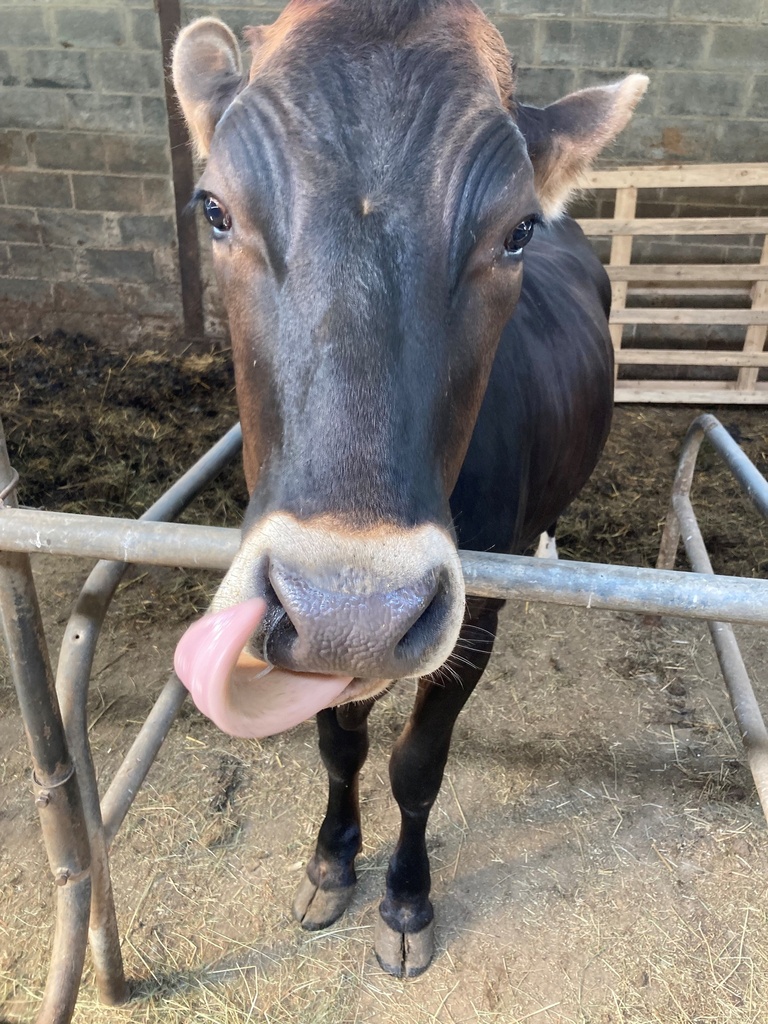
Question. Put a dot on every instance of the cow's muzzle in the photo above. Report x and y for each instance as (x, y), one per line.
(374, 604)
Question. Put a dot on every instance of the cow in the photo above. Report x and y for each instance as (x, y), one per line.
(423, 364)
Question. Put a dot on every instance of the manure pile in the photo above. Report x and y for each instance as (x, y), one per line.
(96, 432)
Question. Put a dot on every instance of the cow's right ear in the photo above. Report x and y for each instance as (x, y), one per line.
(207, 75)
(564, 138)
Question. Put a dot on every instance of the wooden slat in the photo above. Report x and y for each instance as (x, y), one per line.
(689, 357)
(667, 284)
(676, 226)
(689, 392)
(714, 317)
(678, 176)
(621, 252)
(699, 272)
(716, 295)
(756, 334)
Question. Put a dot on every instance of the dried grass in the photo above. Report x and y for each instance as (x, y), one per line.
(598, 852)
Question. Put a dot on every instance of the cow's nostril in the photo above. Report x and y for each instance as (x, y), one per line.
(426, 633)
(345, 621)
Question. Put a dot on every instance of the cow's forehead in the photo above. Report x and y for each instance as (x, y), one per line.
(380, 124)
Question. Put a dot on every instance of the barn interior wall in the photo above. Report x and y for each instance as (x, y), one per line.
(87, 230)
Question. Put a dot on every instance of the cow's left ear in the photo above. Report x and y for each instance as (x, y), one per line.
(207, 75)
(564, 138)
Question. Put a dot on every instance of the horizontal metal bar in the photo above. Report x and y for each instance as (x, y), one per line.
(118, 540)
(517, 577)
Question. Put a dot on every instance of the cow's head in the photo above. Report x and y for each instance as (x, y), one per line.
(371, 184)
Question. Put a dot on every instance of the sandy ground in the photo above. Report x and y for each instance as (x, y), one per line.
(598, 851)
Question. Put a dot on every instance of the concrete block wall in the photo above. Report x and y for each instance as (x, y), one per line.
(87, 231)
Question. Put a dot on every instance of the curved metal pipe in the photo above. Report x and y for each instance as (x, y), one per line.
(73, 681)
(68, 954)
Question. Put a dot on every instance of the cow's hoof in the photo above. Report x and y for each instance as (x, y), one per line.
(404, 954)
(316, 908)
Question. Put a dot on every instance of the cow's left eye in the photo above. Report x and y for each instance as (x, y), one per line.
(216, 215)
(517, 239)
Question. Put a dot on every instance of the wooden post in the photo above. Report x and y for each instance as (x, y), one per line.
(169, 14)
(754, 341)
(621, 254)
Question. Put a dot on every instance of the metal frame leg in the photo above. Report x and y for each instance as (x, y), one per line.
(73, 683)
(57, 795)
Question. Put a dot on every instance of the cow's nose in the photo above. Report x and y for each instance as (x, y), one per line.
(343, 621)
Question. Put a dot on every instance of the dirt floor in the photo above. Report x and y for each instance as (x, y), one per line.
(598, 851)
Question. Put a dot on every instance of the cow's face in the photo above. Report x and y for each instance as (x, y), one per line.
(369, 204)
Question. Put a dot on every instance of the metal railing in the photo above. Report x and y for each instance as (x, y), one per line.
(682, 525)
(79, 826)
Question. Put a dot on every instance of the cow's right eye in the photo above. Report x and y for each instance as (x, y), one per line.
(216, 215)
(517, 240)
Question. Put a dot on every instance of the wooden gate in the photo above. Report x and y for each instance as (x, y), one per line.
(719, 294)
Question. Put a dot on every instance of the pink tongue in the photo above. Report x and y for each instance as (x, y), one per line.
(243, 696)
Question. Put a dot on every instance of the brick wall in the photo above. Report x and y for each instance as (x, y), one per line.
(87, 235)
(87, 231)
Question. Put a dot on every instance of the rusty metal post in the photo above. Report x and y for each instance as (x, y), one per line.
(72, 682)
(182, 167)
(57, 795)
(670, 538)
(682, 523)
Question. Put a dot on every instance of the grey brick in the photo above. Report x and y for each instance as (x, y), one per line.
(13, 149)
(166, 266)
(119, 265)
(683, 93)
(39, 261)
(664, 46)
(93, 296)
(739, 47)
(693, 197)
(541, 86)
(75, 151)
(158, 195)
(591, 44)
(24, 26)
(145, 29)
(107, 192)
(32, 188)
(148, 231)
(520, 37)
(89, 27)
(137, 154)
(96, 112)
(70, 227)
(18, 225)
(33, 291)
(32, 108)
(7, 77)
(539, 8)
(133, 73)
(758, 106)
(587, 78)
(645, 9)
(658, 140)
(236, 17)
(56, 69)
(153, 116)
(717, 10)
(746, 141)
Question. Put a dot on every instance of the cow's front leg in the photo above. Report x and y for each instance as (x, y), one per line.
(326, 889)
(405, 926)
